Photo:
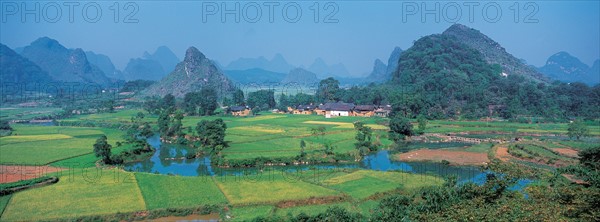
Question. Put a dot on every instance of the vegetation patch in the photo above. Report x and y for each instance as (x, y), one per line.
(253, 189)
(452, 156)
(247, 213)
(162, 191)
(75, 141)
(96, 192)
(364, 183)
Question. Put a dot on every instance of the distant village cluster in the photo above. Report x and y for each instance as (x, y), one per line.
(328, 110)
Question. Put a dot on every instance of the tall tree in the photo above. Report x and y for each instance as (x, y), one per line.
(4, 125)
(168, 101)
(211, 134)
(422, 123)
(163, 122)
(102, 149)
(208, 101)
(238, 98)
(284, 102)
(400, 128)
(577, 129)
(191, 100)
(302, 147)
(175, 128)
(265, 99)
(328, 90)
(363, 138)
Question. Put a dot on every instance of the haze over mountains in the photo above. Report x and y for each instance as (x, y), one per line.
(18, 69)
(276, 64)
(382, 72)
(68, 65)
(191, 75)
(280, 65)
(46, 59)
(564, 67)
(105, 64)
(300, 76)
(151, 66)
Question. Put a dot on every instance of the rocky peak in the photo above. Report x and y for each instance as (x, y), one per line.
(45, 42)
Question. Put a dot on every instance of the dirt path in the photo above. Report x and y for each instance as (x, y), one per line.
(502, 153)
(566, 152)
(454, 157)
(9, 174)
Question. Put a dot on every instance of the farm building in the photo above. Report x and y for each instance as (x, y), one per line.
(239, 110)
(383, 111)
(303, 109)
(335, 109)
(364, 110)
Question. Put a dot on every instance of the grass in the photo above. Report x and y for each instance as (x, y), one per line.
(87, 160)
(312, 209)
(477, 148)
(579, 145)
(251, 212)
(268, 189)
(364, 183)
(162, 191)
(366, 207)
(4, 200)
(85, 192)
(20, 113)
(365, 187)
(38, 145)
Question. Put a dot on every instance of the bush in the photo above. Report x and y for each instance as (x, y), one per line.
(116, 159)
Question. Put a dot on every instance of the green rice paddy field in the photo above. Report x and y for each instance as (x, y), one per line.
(84, 190)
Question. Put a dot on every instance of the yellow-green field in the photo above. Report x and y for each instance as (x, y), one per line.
(39, 145)
(83, 192)
(162, 191)
(253, 189)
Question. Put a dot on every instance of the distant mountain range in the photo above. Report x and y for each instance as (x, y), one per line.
(18, 69)
(105, 64)
(566, 68)
(255, 75)
(382, 72)
(151, 66)
(191, 75)
(277, 64)
(323, 70)
(300, 76)
(45, 59)
(67, 65)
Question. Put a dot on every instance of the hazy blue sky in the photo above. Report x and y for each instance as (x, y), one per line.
(364, 31)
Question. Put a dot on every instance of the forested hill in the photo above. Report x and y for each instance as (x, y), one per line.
(493, 52)
(194, 73)
(441, 77)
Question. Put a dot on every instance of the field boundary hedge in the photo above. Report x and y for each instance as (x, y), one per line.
(149, 214)
(39, 182)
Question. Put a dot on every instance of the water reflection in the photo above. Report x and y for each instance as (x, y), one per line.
(169, 159)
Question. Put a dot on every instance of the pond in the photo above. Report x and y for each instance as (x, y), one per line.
(169, 159)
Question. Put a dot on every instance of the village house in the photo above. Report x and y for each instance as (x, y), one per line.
(239, 110)
(383, 111)
(303, 109)
(364, 110)
(335, 109)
